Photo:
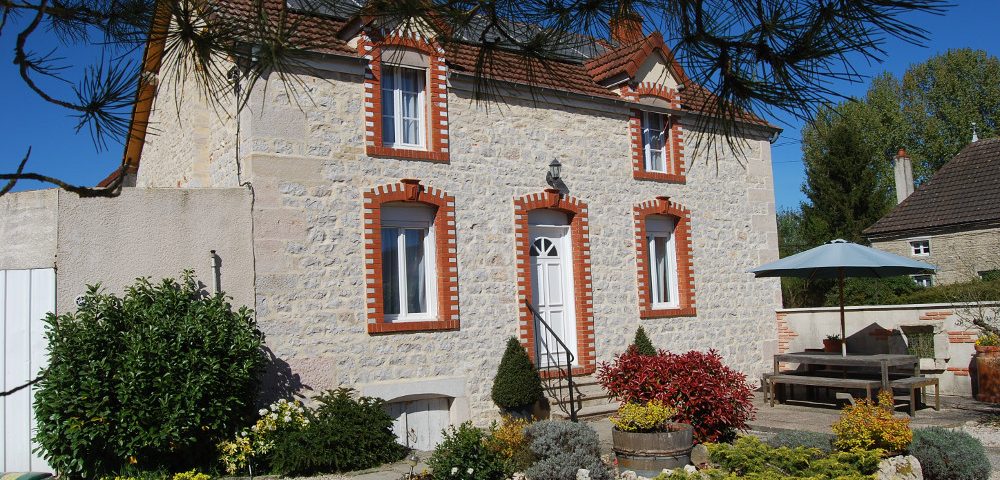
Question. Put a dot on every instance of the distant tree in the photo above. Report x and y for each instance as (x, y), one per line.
(941, 98)
(842, 183)
(797, 292)
(749, 54)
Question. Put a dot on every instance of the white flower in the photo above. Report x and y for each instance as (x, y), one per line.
(454, 470)
(262, 412)
(282, 401)
(288, 418)
(469, 471)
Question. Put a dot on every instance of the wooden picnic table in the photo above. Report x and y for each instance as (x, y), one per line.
(882, 361)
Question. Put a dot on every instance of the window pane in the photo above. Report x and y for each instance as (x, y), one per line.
(416, 279)
(661, 269)
(390, 271)
(652, 134)
(411, 132)
(388, 105)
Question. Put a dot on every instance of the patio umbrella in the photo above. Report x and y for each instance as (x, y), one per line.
(839, 259)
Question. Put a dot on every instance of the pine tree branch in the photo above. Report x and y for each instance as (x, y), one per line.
(112, 190)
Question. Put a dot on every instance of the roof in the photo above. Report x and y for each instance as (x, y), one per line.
(965, 192)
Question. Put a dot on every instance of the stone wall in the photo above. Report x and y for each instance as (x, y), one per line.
(959, 256)
(190, 144)
(155, 233)
(885, 329)
(28, 229)
(308, 169)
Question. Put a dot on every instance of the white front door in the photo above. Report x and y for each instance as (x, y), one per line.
(552, 292)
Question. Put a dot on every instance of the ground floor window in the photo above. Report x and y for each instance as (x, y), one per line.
(408, 263)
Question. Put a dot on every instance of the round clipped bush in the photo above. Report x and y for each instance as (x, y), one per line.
(713, 398)
(642, 343)
(152, 380)
(516, 384)
(561, 448)
(949, 455)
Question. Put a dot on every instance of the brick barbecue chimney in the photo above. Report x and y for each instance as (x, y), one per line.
(626, 28)
(903, 171)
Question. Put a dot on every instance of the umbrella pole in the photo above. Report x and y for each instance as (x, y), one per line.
(843, 328)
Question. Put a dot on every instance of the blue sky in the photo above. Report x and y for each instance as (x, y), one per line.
(59, 151)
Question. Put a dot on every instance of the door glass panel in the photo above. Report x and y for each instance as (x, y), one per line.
(554, 293)
(416, 279)
(390, 270)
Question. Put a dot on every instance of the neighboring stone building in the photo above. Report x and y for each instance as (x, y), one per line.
(952, 220)
(399, 227)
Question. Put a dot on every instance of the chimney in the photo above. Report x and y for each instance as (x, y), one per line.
(903, 170)
(626, 28)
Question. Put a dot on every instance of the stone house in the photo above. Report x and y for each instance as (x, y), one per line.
(400, 229)
(952, 220)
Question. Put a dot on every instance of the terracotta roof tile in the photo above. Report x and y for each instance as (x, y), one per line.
(965, 191)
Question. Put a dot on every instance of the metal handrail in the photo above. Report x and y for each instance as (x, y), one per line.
(569, 357)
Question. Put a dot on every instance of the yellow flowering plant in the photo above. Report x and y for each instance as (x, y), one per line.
(870, 426)
(988, 340)
(191, 475)
(258, 440)
(651, 416)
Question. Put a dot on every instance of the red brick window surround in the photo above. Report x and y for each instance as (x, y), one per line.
(684, 306)
(579, 231)
(444, 249)
(389, 56)
(673, 136)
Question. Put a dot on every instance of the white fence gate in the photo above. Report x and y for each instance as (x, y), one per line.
(25, 297)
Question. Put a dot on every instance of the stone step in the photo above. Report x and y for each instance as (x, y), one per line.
(588, 414)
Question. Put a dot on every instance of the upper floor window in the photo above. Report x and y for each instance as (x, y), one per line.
(662, 261)
(408, 265)
(655, 133)
(920, 247)
(403, 124)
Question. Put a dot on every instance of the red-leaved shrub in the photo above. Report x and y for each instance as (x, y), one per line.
(713, 398)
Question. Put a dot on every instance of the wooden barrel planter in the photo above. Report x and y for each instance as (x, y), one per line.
(988, 373)
(647, 454)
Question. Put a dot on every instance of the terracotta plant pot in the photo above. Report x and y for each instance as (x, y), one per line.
(647, 454)
(831, 345)
(988, 373)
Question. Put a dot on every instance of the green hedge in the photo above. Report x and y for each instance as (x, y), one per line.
(150, 381)
(903, 291)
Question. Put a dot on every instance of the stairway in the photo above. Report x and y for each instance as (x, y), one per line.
(591, 399)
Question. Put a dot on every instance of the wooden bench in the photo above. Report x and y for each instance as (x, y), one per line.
(918, 383)
(830, 382)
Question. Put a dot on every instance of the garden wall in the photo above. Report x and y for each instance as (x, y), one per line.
(931, 331)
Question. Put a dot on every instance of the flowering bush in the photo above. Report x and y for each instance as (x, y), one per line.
(508, 439)
(465, 454)
(988, 340)
(869, 426)
(651, 416)
(191, 475)
(257, 441)
(713, 398)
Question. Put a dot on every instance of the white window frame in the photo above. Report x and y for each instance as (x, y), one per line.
(666, 153)
(397, 106)
(920, 247)
(928, 277)
(430, 269)
(654, 280)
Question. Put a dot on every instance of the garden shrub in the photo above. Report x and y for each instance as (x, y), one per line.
(799, 438)
(949, 455)
(341, 434)
(560, 448)
(748, 457)
(869, 425)
(642, 343)
(465, 454)
(251, 447)
(191, 475)
(651, 416)
(508, 439)
(516, 384)
(713, 398)
(150, 381)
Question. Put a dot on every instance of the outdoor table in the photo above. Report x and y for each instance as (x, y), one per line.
(883, 361)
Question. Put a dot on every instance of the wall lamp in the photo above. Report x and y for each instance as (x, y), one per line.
(555, 173)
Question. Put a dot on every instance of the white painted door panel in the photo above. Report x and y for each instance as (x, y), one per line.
(26, 296)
